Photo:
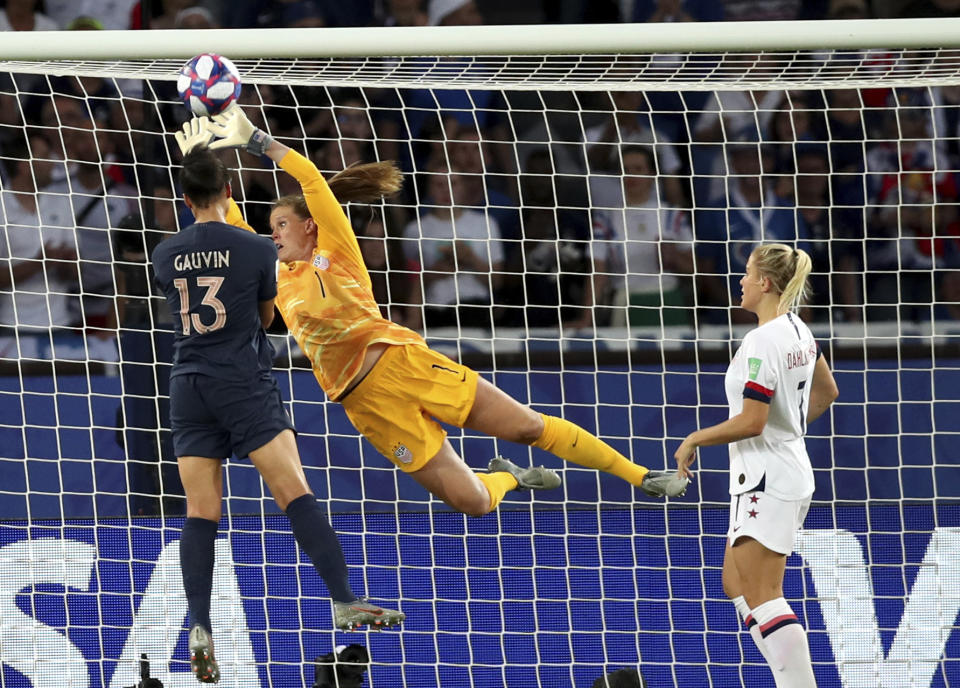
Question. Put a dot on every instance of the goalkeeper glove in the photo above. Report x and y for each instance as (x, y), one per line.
(234, 131)
(193, 134)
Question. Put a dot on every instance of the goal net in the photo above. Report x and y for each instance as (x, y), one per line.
(573, 225)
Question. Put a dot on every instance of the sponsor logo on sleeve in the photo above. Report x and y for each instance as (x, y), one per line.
(754, 366)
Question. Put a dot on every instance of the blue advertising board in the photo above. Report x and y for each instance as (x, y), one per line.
(520, 598)
(893, 434)
(554, 590)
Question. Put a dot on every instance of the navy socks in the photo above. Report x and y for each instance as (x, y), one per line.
(196, 565)
(316, 537)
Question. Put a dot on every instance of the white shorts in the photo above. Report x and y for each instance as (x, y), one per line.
(770, 521)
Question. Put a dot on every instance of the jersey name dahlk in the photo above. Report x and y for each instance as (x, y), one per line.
(795, 359)
(201, 259)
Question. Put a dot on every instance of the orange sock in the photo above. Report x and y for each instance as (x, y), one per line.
(497, 484)
(574, 444)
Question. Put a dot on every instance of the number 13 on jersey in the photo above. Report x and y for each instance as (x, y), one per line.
(212, 286)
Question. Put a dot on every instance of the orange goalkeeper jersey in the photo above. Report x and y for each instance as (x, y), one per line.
(327, 302)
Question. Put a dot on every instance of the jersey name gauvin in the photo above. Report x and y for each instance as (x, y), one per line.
(196, 260)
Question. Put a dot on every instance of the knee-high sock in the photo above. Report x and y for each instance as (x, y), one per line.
(751, 623)
(574, 444)
(497, 484)
(316, 537)
(196, 565)
(787, 650)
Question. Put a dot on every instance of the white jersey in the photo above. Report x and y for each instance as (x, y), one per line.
(42, 299)
(774, 364)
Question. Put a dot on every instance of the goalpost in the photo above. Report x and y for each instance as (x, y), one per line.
(617, 174)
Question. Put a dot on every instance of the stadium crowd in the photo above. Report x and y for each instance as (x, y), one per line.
(521, 209)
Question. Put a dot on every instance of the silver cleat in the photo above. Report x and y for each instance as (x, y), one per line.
(664, 484)
(348, 616)
(533, 478)
(202, 662)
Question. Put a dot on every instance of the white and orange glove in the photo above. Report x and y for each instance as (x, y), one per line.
(234, 130)
(194, 133)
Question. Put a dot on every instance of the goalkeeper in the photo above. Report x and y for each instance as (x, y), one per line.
(392, 386)
(224, 399)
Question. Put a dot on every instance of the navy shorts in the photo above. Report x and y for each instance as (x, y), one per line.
(216, 418)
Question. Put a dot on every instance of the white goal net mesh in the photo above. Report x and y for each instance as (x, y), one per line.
(610, 203)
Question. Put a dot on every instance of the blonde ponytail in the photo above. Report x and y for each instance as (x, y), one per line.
(366, 183)
(788, 269)
(359, 183)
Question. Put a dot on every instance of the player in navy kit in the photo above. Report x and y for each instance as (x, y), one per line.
(777, 382)
(220, 284)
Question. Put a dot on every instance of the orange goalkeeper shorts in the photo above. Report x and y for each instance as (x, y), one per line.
(397, 405)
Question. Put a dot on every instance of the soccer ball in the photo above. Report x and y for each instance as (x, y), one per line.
(208, 84)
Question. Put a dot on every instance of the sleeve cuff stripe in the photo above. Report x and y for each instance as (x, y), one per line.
(759, 388)
(756, 396)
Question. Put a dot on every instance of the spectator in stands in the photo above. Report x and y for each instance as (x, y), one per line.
(730, 226)
(470, 157)
(791, 124)
(352, 127)
(727, 116)
(846, 133)
(630, 123)
(23, 15)
(639, 252)
(133, 244)
(109, 14)
(905, 234)
(946, 112)
(99, 201)
(337, 154)
(543, 284)
(404, 13)
(459, 253)
(38, 269)
(835, 234)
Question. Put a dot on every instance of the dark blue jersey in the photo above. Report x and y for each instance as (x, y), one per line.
(214, 277)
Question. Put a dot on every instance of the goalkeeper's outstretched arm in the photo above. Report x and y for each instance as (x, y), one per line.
(234, 130)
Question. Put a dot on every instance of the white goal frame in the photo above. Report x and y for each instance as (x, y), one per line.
(577, 58)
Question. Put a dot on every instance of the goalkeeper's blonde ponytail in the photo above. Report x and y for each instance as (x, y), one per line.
(366, 183)
(359, 183)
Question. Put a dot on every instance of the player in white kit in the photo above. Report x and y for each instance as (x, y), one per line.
(777, 382)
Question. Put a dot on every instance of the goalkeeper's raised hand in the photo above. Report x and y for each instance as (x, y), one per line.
(194, 133)
(234, 130)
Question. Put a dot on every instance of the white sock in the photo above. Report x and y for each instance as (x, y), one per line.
(744, 611)
(786, 643)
